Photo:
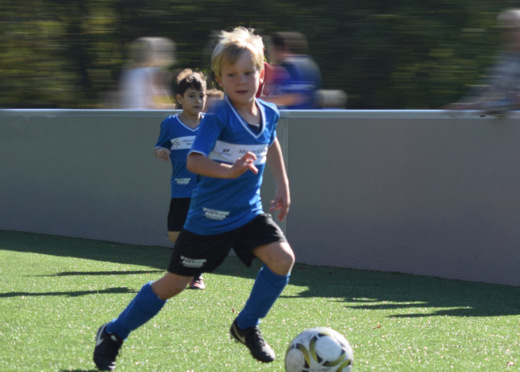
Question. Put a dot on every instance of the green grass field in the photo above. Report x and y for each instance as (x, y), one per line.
(56, 292)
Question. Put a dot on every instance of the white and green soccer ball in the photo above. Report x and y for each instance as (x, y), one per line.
(319, 349)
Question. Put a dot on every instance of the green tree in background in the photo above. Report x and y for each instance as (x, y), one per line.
(386, 54)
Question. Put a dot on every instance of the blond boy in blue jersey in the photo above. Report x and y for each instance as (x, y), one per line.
(235, 141)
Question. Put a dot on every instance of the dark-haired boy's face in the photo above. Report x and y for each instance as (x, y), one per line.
(192, 101)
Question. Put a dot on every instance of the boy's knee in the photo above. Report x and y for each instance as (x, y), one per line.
(289, 261)
(279, 258)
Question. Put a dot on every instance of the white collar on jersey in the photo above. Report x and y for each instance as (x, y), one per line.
(244, 123)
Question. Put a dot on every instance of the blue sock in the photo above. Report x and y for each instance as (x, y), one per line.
(266, 290)
(143, 307)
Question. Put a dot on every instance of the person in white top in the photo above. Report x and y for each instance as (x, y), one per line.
(144, 80)
(499, 91)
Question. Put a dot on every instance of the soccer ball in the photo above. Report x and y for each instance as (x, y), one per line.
(319, 349)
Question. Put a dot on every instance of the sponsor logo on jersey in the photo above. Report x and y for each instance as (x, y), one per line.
(229, 152)
(182, 143)
(214, 214)
(182, 181)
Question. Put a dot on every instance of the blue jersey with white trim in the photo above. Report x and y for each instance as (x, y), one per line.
(178, 138)
(221, 205)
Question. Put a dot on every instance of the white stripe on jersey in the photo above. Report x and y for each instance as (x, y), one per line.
(182, 143)
(230, 152)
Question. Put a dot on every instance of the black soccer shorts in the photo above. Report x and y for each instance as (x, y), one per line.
(195, 253)
(177, 214)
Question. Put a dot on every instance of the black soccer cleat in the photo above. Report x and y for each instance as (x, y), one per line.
(252, 338)
(107, 349)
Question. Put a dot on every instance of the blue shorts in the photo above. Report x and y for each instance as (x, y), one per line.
(194, 253)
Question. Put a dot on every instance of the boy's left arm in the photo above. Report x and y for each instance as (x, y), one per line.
(282, 198)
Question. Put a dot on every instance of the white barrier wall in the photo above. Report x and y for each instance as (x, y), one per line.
(422, 192)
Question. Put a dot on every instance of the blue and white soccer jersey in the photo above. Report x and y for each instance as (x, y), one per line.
(221, 205)
(178, 138)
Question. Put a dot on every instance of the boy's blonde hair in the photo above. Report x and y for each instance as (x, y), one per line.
(231, 45)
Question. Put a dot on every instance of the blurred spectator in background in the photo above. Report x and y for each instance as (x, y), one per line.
(145, 79)
(213, 95)
(294, 78)
(332, 99)
(500, 90)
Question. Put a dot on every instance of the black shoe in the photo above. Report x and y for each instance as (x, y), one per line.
(106, 350)
(252, 338)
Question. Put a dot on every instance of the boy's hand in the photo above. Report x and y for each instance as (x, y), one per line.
(243, 164)
(281, 203)
(162, 153)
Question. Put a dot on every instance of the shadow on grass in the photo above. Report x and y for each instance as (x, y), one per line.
(411, 295)
(118, 290)
(97, 273)
(155, 257)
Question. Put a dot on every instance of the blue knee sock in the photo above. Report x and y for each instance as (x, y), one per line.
(143, 307)
(266, 290)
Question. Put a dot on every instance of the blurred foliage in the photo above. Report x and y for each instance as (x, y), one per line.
(388, 54)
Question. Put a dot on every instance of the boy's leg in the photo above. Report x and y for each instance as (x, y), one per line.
(197, 282)
(173, 235)
(266, 290)
(145, 305)
(272, 278)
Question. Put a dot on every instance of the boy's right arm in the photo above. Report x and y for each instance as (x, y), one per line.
(200, 164)
(162, 153)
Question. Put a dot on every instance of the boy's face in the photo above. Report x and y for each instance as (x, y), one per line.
(241, 80)
(192, 101)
